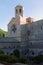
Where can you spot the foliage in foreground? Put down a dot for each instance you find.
(38, 59)
(12, 59)
(23, 60)
(16, 53)
(8, 58)
(1, 52)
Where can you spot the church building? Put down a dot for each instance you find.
(23, 33)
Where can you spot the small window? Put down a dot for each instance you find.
(20, 10)
(28, 32)
(16, 11)
(32, 53)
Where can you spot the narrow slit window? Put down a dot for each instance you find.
(20, 10)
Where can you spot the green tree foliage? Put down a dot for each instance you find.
(16, 53)
(38, 59)
(23, 60)
(1, 52)
(8, 58)
(3, 33)
(12, 59)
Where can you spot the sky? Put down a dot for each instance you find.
(32, 8)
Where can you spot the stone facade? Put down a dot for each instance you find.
(16, 22)
(23, 33)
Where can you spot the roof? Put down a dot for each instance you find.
(19, 5)
(29, 19)
(8, 40)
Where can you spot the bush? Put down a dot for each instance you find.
(38, 59)
(16, 53)
(23, 60)
(1, 52)
(12, 59)
(8, 58)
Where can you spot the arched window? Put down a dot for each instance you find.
(20, 11)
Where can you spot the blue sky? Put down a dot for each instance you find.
(32, 8)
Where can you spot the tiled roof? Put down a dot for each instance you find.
(29, 19)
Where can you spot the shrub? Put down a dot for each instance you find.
(38, 59)
(16, 53)
(12, 59)
(23, 60)
(8, 58)
(1, 52)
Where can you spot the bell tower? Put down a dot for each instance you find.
(19, 10)
(14, 26)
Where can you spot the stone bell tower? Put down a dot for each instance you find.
(15, 27)
(19, 10)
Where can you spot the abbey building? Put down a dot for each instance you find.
(23, 33)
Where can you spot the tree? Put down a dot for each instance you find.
(3, 35)
(23, 60)
(1, 52)
(38, 59)
(0, 35)
(16, 53)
